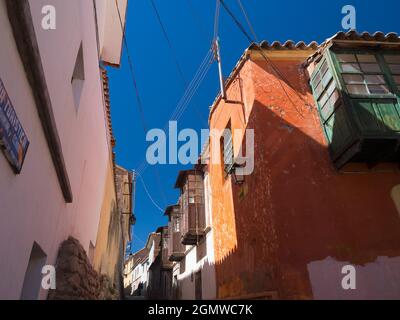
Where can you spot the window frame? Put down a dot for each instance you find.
(385, 72)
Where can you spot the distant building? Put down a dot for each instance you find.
(184, 267)
(58, 176)
(137, 267)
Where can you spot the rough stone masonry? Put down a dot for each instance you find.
(76, 279)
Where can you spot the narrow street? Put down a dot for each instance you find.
(193, 151)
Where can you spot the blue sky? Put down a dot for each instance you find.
(189, 24)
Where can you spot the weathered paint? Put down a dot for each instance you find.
(295, 208)
(379, 279)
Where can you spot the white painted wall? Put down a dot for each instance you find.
(186, 279)
(32, 206)
(379, 279)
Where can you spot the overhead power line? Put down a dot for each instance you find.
(247, 19)
(138, 99)
(187, 96)
(175, 56)
(265, 57)
(148, 193)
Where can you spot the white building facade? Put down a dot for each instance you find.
(52, 81)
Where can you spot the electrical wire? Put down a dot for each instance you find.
(139, 101)
(216, 20)
(273, 66)
(247, 19)
(186, 98)
(148, 193)
(176, 61)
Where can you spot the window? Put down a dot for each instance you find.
(362, 74)
(78, 77)
(226, 144)
(176, 224)
(325, 90)
(33, 275)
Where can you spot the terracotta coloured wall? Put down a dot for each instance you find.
(280, 231)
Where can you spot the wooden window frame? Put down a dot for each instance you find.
(388, 76)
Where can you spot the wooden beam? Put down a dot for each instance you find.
(19, 15)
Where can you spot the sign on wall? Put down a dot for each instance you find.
(13, 140)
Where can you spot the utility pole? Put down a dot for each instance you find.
(217, 55)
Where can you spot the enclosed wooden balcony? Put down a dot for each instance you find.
(358, 98)
(175, 247)
(192, 206)
(166, 264)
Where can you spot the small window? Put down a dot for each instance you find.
(78, 77)
(362, 74)
(33, 275)
(226, 145)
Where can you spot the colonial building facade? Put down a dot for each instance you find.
(324, 190)
(58, 174)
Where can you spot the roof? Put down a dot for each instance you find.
(170, 209)
(180, 180)
(389, 40)
(106, 92)
(354, 39)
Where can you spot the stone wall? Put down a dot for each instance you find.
(76, 279)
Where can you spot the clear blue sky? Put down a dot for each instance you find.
(189, 24)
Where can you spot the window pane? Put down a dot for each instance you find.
(370, 67)
(331, 88)
(318, 89)
(316, 79)
(324, 67)
(357, 89)
(323, 99)
(378, 89)
(395, 68)
(366, 58)
(397, 79)
(326, 111)
(327, 77)
(334, 97)
(353, 78)
(350, 67)
(346, 57)
(374, 79)
(392, 58)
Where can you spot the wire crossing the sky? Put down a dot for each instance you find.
(274, 67)
(176, 61)
(187, 96)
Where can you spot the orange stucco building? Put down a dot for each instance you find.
(290, 227)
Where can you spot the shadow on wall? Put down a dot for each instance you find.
(296, 209)
(198, 285)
